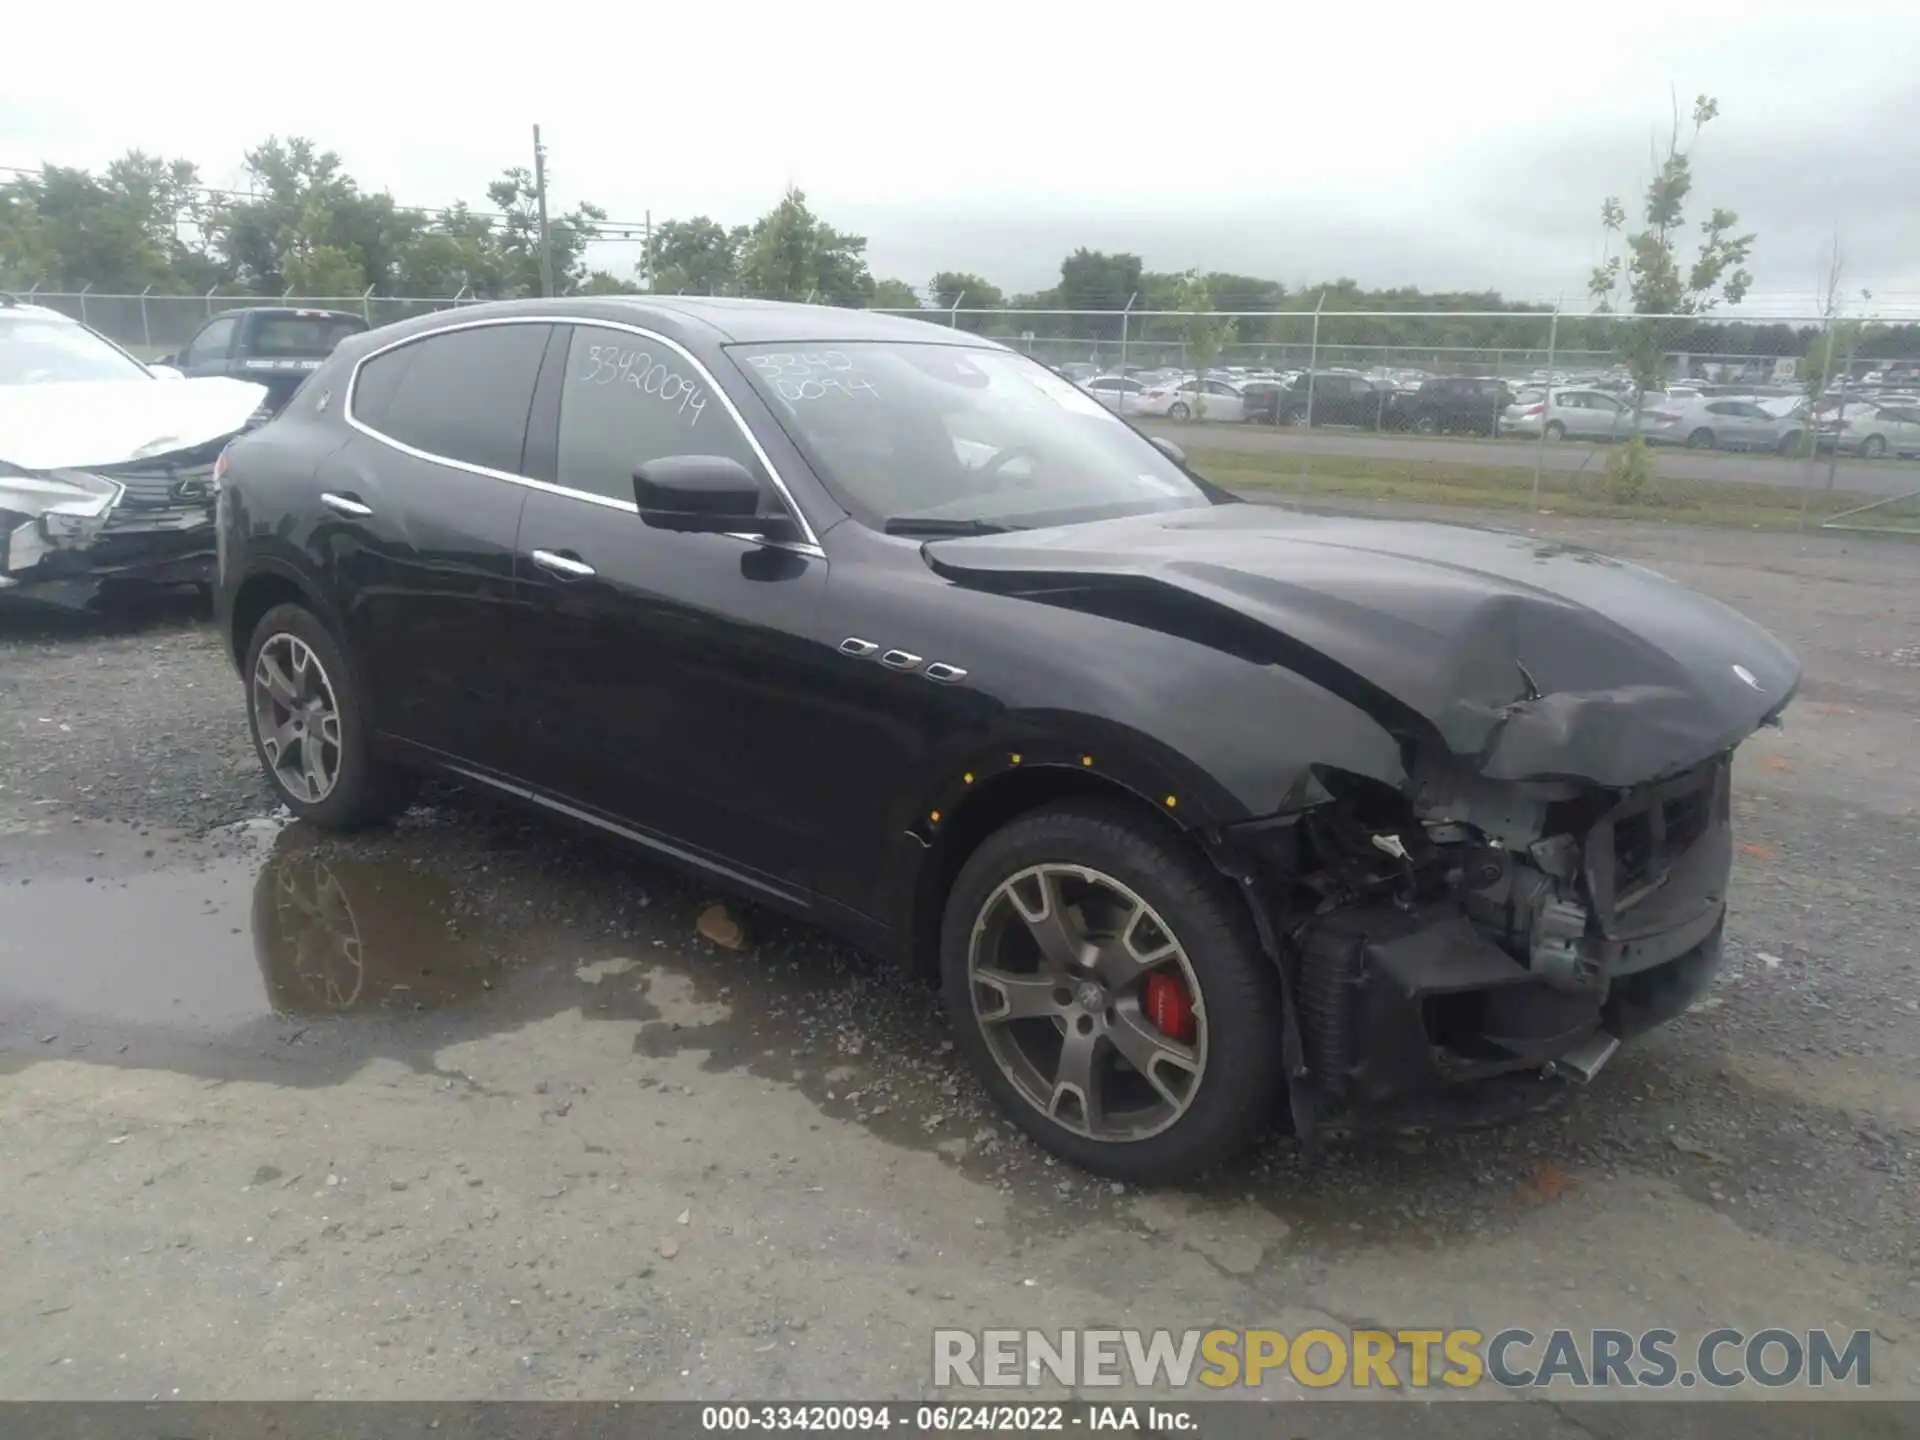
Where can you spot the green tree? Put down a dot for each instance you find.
(1657, 280)
(791, 254)
(456, 253)
(695, 257)
(65, 229)
(1203, 331)
(1096, 280)
(296, 188)
(325, 272)
(961, 287)
(895, 295)
(601, 282)
(518, 236)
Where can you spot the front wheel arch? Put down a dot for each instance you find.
(963, 827)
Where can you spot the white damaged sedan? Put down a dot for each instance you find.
(106, 466)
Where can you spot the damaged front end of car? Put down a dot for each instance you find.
(1463, 929)
(67, 535)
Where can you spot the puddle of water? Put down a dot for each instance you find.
(168, 947)
(295, 957)
(220, 942)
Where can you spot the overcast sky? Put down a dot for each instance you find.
(1448, 146)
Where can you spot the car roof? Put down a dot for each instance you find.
(304, 312)
(712, 319)
(20, 309)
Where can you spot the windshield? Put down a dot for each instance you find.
(38, 351)
(903, 430)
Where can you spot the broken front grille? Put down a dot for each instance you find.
(1646, 839)
(1633, 849)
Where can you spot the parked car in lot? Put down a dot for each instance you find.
(1454, 404)
(1327, 397)
(1872, 430)
(270, 346)
(1189, 399)
(1195, 808)
(105, 466)
(1719, 423)
(1114, 391)
(1567, 415)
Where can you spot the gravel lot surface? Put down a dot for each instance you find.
(525, 1133)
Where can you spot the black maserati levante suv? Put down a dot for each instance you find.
(1201, 812)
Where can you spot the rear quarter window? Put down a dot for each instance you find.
(461, 395)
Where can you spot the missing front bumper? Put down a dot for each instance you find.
(1399, 1002)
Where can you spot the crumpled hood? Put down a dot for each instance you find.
(1529, 658)
(80, 424)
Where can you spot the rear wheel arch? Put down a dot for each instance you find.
(258, 594)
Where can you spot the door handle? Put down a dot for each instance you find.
(345, 505)
(567, 567)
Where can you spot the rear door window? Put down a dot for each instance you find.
(462, 395)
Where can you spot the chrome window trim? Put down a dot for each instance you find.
(809, 546)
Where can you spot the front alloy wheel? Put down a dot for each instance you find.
(1106, 984)
(297, 717)
(1088, 1003)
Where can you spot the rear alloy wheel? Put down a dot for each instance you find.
(1105, 984)
(296, 717)
(1179, 411)
(1874, 447)
(1426, 425)
(1556, 431)
(309, 727)
(1701, 439)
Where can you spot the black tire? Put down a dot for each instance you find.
(1179, 411)
(364, 791)
(1242, 1081)
(1296, 418)
(1701, 439)
(1789, 443)
(1556, 431)
(1874, 447)
(1426, 425)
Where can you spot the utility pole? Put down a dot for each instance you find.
(540, 196)
(646, 255)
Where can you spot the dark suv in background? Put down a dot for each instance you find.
(1456, 404)
(1339, 397)
(267, 345)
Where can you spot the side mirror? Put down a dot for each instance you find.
(706, 495)
(1166, 447)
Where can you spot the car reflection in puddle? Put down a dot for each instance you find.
(336, 936)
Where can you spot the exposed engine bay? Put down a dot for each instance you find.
(1474, 928)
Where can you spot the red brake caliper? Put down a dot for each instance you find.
(1169, 1006)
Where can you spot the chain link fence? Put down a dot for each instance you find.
(1812, 419)
(152, 325)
